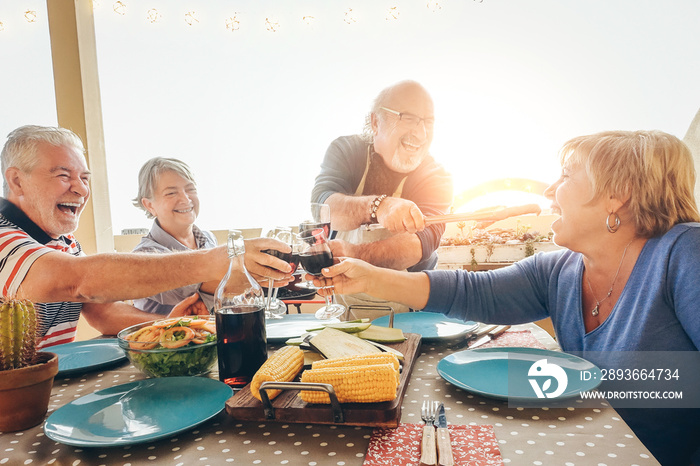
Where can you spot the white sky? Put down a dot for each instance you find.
(252, 111)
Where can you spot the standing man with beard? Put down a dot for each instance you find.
(386, 177)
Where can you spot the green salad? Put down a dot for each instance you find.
(183, 346)
(195, 360)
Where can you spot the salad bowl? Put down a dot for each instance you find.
(184, 346)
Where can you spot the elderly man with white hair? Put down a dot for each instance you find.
(47, 184)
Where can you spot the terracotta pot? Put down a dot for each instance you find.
(25, 393)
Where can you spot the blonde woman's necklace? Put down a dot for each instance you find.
(596, 310)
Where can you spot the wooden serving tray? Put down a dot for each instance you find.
(289, 407)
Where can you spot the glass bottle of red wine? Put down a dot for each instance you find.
(239, 308)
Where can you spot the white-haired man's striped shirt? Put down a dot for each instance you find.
(21, 243)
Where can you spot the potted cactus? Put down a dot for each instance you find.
(26, 376)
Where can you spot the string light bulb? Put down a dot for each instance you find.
(233, 23)
(349, 16)
(434, 5)
(272, 24)
(2, 26)
(30, 16)
(119, 8)
(309, 20)
(190, 18)
(392, 13)
(153, 15)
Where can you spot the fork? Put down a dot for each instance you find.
(428, 448)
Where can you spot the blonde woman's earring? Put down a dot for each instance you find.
(615, 222)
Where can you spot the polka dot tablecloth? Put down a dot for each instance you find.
(536, 436)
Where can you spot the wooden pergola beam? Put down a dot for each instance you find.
(79, 108)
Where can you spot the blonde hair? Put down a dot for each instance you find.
(653, 168)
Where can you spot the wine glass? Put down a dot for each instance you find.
(315, 256)
(274, 308)
(320, 218)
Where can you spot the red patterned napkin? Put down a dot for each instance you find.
(471, 445)
(522, 338)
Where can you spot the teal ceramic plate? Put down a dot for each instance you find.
(292, 326)
(519, 374)
(137, 412)
(431, 326)
(83, 356)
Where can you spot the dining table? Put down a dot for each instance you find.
(497, 431)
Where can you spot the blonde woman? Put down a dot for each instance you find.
(628, 279)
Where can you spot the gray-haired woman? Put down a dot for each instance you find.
(168, 194)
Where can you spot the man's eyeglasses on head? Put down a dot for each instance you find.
(409, 119)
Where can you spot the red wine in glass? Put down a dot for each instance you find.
(291, 259)
(241, 343)
(314, 262)
(295, 261)
(315, 256)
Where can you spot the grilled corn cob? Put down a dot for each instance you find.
(353, 384)
(359, 360)
(282, 366)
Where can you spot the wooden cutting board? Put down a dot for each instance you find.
(289, 407)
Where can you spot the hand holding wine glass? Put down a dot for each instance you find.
(315, 256)
(274, 308)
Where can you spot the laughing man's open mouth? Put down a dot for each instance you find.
(71, 207)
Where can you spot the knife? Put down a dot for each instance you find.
(444, 448)
(493, 333)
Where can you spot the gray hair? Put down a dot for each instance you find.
(21, 148)
(151, 171)
(367, 134)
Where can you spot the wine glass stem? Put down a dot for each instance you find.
(329, 297)
(270, 284)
